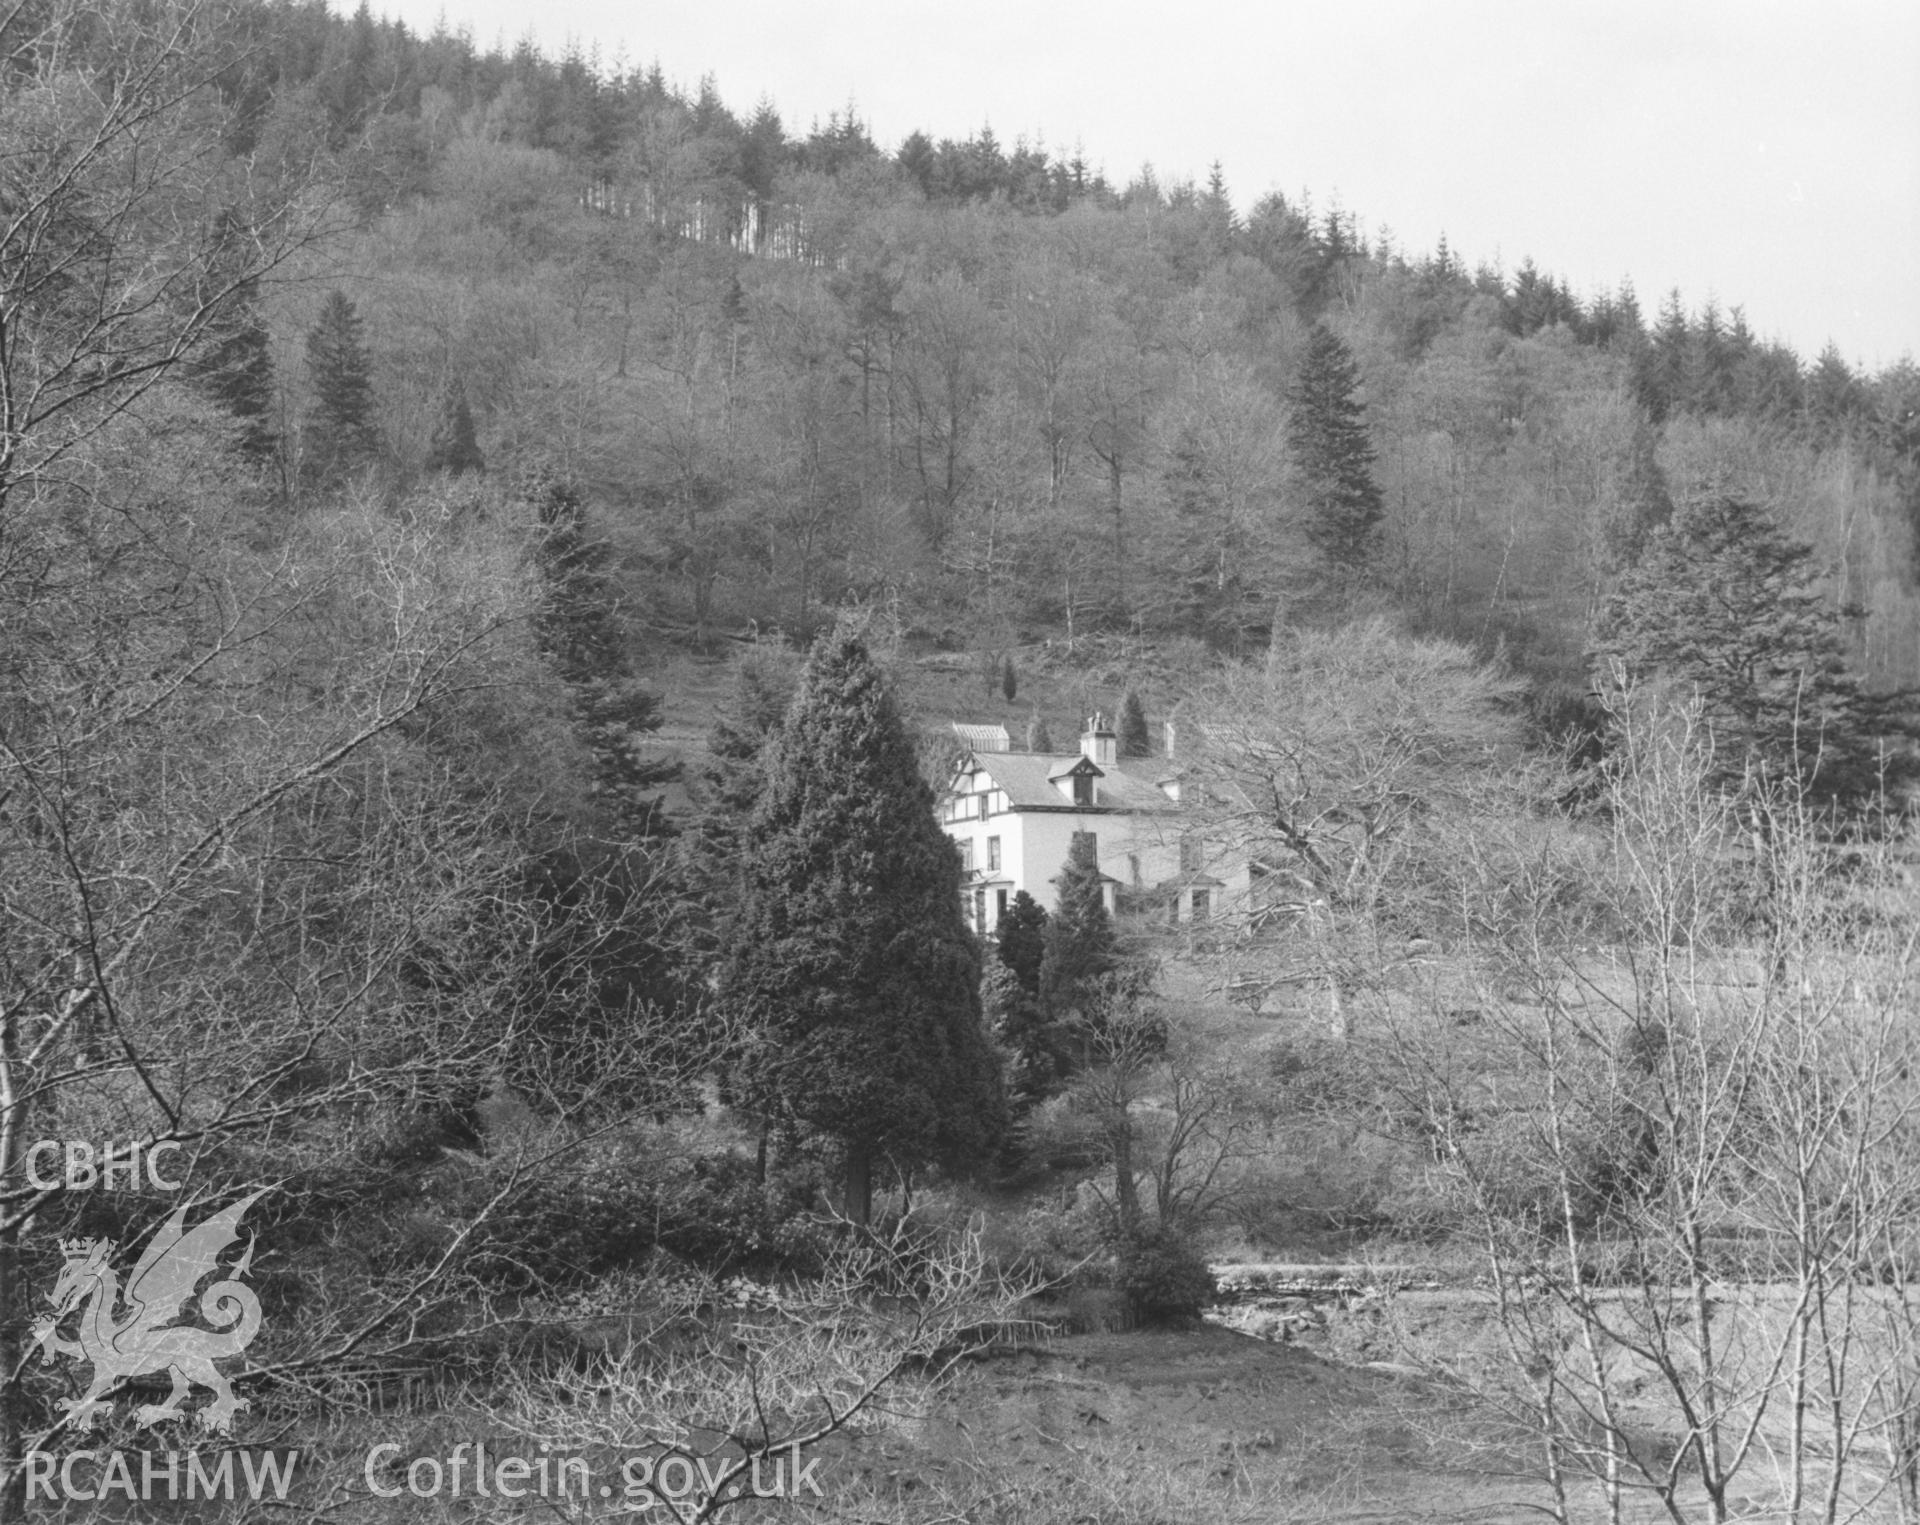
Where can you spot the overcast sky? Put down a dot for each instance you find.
(1763, 154)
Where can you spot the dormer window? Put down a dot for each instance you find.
(1077, 782)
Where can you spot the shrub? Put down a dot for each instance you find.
(1164, 1275)
(559, 1232)
(724, 1219)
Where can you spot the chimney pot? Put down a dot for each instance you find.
(1098, 743)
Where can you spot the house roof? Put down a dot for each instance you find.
(1130, 784)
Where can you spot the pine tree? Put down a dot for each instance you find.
(579, 629)
(710, 860)
(1135, 739)
(1333, 454)
(1837, 401)
(1038, 1051)
(851, 959)
(1009, 681)
(340, 436)
(234, 362)
(1204, 554)
(1725, 604)
(1039, 739)
(455, 447)
(730, 784)
(1079, 943)
(1660, 371)
(235, 368)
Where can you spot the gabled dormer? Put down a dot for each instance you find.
(1078, 781)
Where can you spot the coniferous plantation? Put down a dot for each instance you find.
(493, 552)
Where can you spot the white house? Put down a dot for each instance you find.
(1014, 815)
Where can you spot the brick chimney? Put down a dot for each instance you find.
(1098, 744)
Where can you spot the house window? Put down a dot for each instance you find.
(993, 855)
(1001, 897)
(1083, 788)
(966, 855)
(985, 800)
(1202, 904)
(980, 912)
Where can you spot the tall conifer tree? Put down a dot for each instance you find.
(234, 363)
(1724, 603)
(236, 370)
(340, 434)
(1079, 944)
(455, 447)
(1333, 454)
(1039, 1048)
(580, 629)
(851, 959)
(1135, 739)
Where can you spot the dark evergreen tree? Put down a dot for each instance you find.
(1038, 1050)
(1837, 401)
(340, 436)
(580, 629)
(711, 866)
(1332, 453)
(455, 448)
(234, 361)
(1020, 940)
(1281, 237)
(235, 368)
(851, 959)
(731, 780)
(1708, 384)
(1135, 739)
(1204, 556)
(1009, 681)
(1724, 603)
(1079, 946)
(764, 679)
(1661, 367)
(763, 154)
(1039, 738)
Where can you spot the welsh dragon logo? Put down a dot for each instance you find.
(144, 1339)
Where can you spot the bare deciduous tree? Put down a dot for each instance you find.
(1694, 1173)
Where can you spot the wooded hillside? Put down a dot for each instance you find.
(988, 387)
(384, 421)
